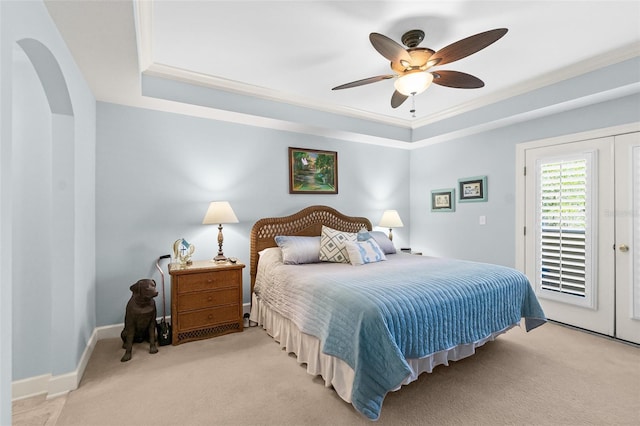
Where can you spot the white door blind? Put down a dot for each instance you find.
(569, 230)
(563, 234)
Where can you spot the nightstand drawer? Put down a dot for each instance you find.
(207, 317)
(207, 299)
(208, 281)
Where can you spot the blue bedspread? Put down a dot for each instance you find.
(374, 320)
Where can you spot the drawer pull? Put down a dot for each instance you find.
(210, 316)
(209, 299)
(209, 280)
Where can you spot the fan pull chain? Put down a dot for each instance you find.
(413, 106)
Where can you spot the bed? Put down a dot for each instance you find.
(368, 329)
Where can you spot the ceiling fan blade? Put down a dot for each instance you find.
(468, 46)
(456, 79)
(389, 48)
(363, 82)
(397, 99)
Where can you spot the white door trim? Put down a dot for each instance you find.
(520, 178)
(627, 203)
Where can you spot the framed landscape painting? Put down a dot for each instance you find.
(312, 171)
(443, 200)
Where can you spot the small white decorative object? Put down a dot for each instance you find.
(182, 251)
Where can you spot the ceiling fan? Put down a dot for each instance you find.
(412, 65)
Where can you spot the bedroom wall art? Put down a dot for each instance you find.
(443, 200)
(313, 171)
(472, 189)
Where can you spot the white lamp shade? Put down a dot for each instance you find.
(219, 212)
(413, 83)
(391, 219)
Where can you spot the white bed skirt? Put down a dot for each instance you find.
(335, 371)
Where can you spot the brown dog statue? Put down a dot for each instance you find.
(140, 318)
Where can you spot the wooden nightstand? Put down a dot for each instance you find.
(206, 300)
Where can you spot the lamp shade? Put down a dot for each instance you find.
(391, 219)
(413, 83)
(219, 212)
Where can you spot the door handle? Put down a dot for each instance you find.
(623, 248)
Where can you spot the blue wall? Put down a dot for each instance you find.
(140, 179)
(47, 214)
(157, 172)
(459, 234)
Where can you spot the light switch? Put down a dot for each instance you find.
(482, 220)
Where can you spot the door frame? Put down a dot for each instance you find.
(596, 309)
(627, 319)
(520, 197)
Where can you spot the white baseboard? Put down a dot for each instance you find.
(50, 385)
(33, 386)
(109, 331)
(53, 386)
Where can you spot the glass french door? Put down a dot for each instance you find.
(582, 224)
(627, 216)
(569, 256)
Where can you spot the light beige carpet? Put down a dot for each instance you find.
(37, 411)
(551, 376)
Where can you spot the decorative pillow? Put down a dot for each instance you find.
(332, 247)
(361, 252)
(266, 258)
(383, 241)
(270, 254)
(363, 234)
(299, 250)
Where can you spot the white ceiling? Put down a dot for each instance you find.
(296, 51)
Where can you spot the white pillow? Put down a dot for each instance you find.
(267, 259)
(270, 255)
(381, 238)
(299, 250)
(362, 252)
(332, 247)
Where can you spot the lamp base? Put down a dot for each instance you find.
(220, 258)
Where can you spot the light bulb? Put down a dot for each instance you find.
(413, 83)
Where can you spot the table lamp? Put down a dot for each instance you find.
(219, 212)
(391, 219)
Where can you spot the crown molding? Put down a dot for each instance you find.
(232, 86)
(594, 63)
(143, 14)
(143, 17)
(143, 10)
(533, 114)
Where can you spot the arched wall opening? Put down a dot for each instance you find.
(43, 214)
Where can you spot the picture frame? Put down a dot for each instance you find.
(313, 171)
(472, 189)
(443, 200)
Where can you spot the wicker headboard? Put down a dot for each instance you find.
(307, 222)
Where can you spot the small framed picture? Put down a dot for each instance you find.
(312, 171)
(472, 189)
(443, 200)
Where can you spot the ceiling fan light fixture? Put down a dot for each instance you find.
(413, 83)
(410, 66)
(432, 63)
